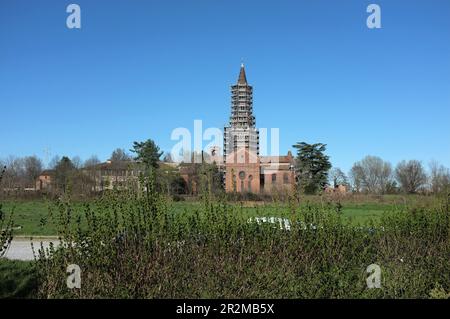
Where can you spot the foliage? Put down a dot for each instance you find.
(17, 279)
(5, 224)
(210, 181)
(312, 166)
(131, 244)
(439, 293)
(169, 180)
(203, 179)
(147, 152)
(64, 171)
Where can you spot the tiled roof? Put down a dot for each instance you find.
(275, 159)
(48, 172)
(114, 165)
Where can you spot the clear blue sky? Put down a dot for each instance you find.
(139, 69)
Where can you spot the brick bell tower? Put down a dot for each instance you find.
(241, 141)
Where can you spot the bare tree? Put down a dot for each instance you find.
(77, 162)
(54, 162)
(439, 178)
(372, 175)
(119, 154)
(92, 171)
(91, 161)
(356, 178)
(411, 176)
(338, 177)
(33, 168)
(15, 176)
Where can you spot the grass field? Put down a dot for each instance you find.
(33, 217)
(138, 246)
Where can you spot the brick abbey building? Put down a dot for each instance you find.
(245, 170)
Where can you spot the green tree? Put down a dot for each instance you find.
(312, 166)
(169, 180)
(64, 171)
(148, 153)
(210, 180)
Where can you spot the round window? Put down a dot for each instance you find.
(241, 174)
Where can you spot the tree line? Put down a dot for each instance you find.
(73, 174)
(371, 175)
(374, 175)
(84, 178)
(314, 172)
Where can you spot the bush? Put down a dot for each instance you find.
(239, 197)
(17, 279)
(132, 245)
(6, 224)
(178, 198)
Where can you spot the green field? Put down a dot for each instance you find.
(148, 246)
(33, 217)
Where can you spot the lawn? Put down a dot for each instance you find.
(33, 217)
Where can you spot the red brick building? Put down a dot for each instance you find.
(245, 170)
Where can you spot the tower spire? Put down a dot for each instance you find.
(242, 131)
(242, 78)
(242, 102)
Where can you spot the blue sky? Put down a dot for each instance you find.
(139, 69)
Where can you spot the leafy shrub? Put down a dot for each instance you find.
(6, 224)
(17, 279)
(131, 244)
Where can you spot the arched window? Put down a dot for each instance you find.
(250, 178)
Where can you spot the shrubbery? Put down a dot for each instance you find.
(5, 225)
(17, 279)
(131, 245)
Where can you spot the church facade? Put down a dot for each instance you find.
(245, 170)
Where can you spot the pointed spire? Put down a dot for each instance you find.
(242, 78)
